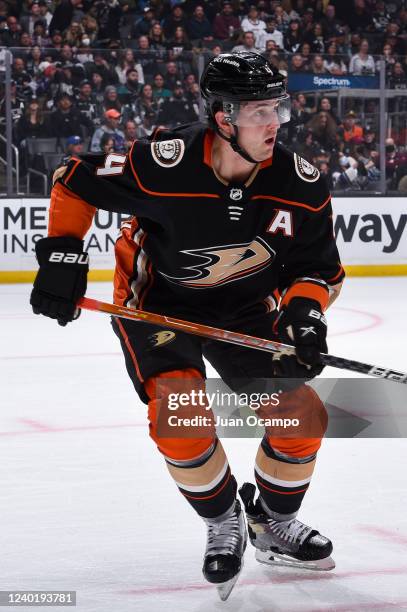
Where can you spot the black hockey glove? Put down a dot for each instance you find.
(301, 323)
(61, 279)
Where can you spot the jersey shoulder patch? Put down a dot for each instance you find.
(168, 153)
(306, 171)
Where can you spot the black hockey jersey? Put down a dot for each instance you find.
(195, 247)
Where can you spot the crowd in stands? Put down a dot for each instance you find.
(98, 74)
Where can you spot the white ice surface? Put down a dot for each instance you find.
(86, 503)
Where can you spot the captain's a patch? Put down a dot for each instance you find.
(168, 153)
(305, 170)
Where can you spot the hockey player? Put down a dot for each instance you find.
(230, 229)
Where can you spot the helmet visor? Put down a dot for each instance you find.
(258, 112)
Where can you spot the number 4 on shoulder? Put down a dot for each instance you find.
(114, 165)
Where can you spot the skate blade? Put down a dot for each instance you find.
(225, 589)
(272, 558)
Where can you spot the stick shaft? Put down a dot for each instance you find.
(215, 333)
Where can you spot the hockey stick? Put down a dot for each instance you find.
(214, 333)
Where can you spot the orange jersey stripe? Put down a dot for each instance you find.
(208, 496)
(126, 252)
(69, 215)
(268, 197)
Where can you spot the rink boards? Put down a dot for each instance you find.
(371, 235)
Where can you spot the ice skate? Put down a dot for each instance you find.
(227, 539)
(285, 543)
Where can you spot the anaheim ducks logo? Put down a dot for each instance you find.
(305, 170)
(168, 153)
(160, 338)
(224, 264)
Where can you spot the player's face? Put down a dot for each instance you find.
(258, 124)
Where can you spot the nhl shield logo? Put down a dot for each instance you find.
(168, 153)
(235, 194)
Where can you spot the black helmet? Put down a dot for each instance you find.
(241, 77)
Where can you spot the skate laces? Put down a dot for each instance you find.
(292, 531)
(223, 537)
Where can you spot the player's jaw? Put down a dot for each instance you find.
(259, 144)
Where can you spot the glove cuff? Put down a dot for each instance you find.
(311, 289)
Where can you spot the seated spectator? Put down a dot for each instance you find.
(248, 43)
(369, 139)
(146, 58)
(101, 65)
(226, 25)
(111, 99)
(270, 33)
(398, 79)
(53, 53)
(108, 14)
(24, 46)
(360, 18)
(306, 146)
(27, 21)
(130, 133)
(110, 126)
(86, 102)
(172, 75)
(157, 40)
(129, 91)
(73, 35)
(34, 60)
(362, 63)
(175, 20)
(74, 146)
(31, 124)
(147, 126)
(10, 35)
(317, 65)
(145, 104)
(90, 26)
(299, 116)
(323, 128)
(143, 25)
(84, 54)
(389, 59)
(352, 133)
(298, 64)
(98, 87)
(381, 16)
(282, 19)
(176, 110)
(252, 23)
(333, 62)
(325, 105)
(330, 24)
(45, 14)
(198, 26)
(66, 119)
(305, 51)
(180, 50)
(293, 37)
(126, 61)
(107, 144)
(160, 92)
(39, 36)
(315, 39)
(395, 38)
(65, 11)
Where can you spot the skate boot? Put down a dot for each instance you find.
(289, 543)
(227, 539)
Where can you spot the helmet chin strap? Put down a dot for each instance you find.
(235, 144)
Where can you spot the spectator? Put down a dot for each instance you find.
(177, 109)
(10, 36)
(145, 104)
(25, 45)
(31, 124)
(160, 92)
(147, 126)
(395, 38)
(146, 58)
(144, 25)
(84, 55)
(389, 59)
(330, 24)
(282, 19)
(270, 33)
(172, 75)
(297, 63)
(111, 99)
(381, 16)
(74, 146)
(323, 128)
(66, 119)
(305, 51)
(362, 63)
(130, 133)
(73, 35)
(293, 38)
(369, 139)
(45, 14)
(248, 43)
(326, 106)
(86, 102)
(226, 25)
(398, 79)
(90, 26)
(315, 39)
(360, 19)
(179, 50)
(108, 14)
(107, 144)
(64, 12)
(317, 65)
(333, 62)
(110, 126)
(157, 38)
(33, 61)
(130, 91)
(198, 26)
(27, 21)
(176, 19)
(98, 87)
(252, 23)
(299, 116)
(352, 133)
(126, 61)
(17, 104)
(40, 36)
(101, 65)
(54, 52)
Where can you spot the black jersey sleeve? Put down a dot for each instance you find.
(313, 253)
(106, 182)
